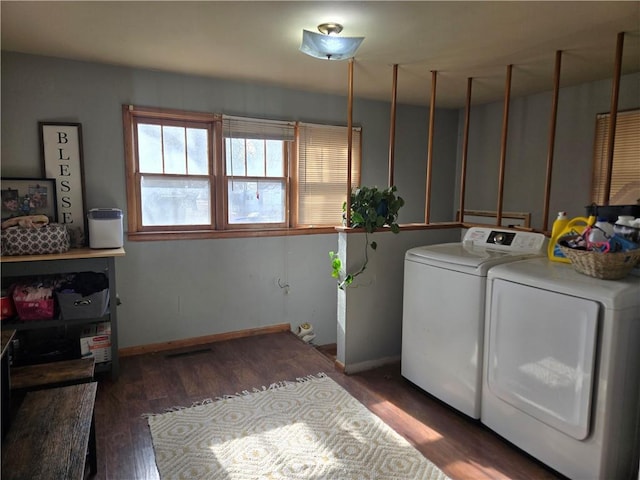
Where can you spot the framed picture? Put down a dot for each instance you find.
(28, 196)
(62, 160)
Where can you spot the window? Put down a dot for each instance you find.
(257, 154)
(322, 172)
(170, 172)
(199, 174)
(625, 172)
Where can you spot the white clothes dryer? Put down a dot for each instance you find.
(443, 311)
(562, 353)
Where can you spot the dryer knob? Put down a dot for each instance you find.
(499, 238)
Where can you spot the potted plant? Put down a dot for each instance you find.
(371, 209)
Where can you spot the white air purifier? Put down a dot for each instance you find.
(105, 228)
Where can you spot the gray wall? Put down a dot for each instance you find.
(528, 144)
(181, 289)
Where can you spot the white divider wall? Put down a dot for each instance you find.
(370, 310)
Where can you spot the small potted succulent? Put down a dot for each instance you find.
(371, 209)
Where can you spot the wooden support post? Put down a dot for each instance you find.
(349, 139)
(613, 116)
(432, 115)
(503, 145)
(465, 150)
(392, 125)
(552, 140)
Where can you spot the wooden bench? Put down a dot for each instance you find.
(51, 435)
(53, 374)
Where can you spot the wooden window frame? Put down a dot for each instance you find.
(219, 226)
(132, 116)
(287, 147)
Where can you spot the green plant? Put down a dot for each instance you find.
(371, 209)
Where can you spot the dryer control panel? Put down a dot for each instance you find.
(505, 240)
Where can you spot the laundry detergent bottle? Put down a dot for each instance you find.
(559, 224)
(563, 226)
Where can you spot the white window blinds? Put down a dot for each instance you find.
(240, 127)
(322, 172)
(625, 174)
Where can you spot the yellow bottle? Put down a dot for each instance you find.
(559, 224)
(563, 226)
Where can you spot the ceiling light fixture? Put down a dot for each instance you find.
(327, 44)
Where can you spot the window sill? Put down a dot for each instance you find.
(404, 227)
(276, 232)
(206, 234)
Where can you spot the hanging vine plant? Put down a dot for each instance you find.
(371, 209)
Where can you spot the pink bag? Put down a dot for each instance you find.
(33, 302)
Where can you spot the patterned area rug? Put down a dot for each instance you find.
(309, 429)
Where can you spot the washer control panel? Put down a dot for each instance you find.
(505, 240)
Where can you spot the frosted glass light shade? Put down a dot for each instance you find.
(329, 47)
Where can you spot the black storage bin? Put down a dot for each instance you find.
(31, 351)
(74, 305)
(612, 212)
(83, 295)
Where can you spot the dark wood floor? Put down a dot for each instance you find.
(150, 383)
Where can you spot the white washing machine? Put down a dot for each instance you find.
(443, 311)
(561, 370)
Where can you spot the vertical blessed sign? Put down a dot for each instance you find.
(62, 159)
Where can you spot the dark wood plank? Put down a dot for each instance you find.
(50, 435)
(5, 338)
(461, 447)
(52, 373)
(5, 381)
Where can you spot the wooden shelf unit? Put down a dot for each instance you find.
(72, 261)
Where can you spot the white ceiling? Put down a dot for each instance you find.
(259, 41)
